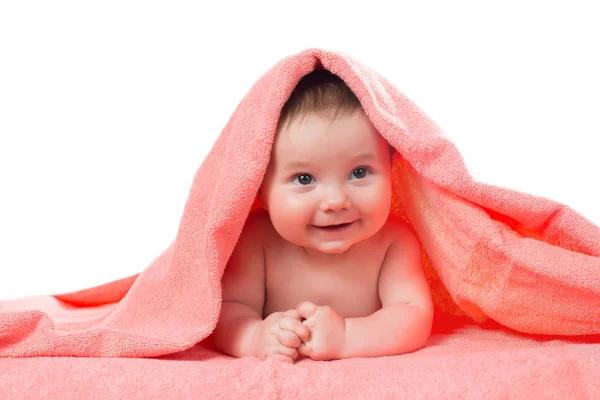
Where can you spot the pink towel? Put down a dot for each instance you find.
(528, 263)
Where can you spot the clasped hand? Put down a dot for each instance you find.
(317, 332)
(327, 332)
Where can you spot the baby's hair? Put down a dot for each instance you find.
(321, 92)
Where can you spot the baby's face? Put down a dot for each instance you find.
(325, 172)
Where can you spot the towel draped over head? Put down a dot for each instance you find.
(525, 262)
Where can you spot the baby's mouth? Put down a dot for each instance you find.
(334, 228)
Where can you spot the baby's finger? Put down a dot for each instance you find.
(304, 350)
(293, 314)
(293, 325)
(281, 357)
(288, 339)
(285, 351)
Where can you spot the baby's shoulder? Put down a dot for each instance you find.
(396, 228)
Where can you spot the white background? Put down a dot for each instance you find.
(108, 108)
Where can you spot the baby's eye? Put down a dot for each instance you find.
(365, 169)
(305, 179)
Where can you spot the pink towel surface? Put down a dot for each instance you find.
(494, 256)
(469, 362)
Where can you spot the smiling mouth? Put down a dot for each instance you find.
(334, 228)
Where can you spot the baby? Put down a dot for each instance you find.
(323, 270)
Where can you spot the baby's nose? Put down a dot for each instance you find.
(335, 199)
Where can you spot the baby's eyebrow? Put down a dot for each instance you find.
(302, 164)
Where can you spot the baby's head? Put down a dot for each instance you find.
(345, 174)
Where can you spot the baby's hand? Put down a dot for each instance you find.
(279, 335)
(327, 332)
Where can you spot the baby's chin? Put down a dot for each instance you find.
(329, 249)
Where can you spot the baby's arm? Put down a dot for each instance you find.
(235, 329)
(243, 286)
(241, 331)
(403, 324)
